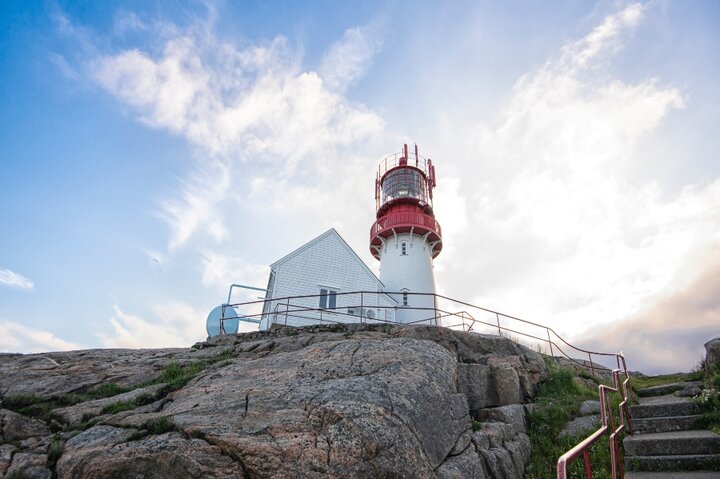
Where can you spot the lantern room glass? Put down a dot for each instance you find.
(404, 183)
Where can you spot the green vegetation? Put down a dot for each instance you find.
(34, 406)
(17, 475)
(709, 402)
(476, 425)
(129, 404)
(26, 404)
(106, 390)
(714, 380)
(558, 401)
(175, 376)
(641, 382)
(54, 452)
(160, 425)
(156, 426)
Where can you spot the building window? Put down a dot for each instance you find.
(403, 248)
(328, 298)
(405, 298)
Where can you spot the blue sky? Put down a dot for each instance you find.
(153, 153)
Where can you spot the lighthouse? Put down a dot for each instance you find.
(406, 237)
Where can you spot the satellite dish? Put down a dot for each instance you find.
(230, 323)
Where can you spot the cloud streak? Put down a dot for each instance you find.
(663, 336)
(348, 59)
(174, 324)
(15, 280)
(19, 338)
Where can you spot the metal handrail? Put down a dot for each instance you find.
(393, 160)
(606, 416)
(498, 315)
(467, 322)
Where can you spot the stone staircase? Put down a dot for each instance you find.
(666, 443)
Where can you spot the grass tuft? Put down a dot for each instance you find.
(160, 425)
(153, 427)
(177, 375)
(641, 382)
(106, 390)
(54, 452)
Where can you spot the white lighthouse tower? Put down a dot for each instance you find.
(406, 237)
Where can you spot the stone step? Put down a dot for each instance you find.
(663, 406)
(693, 464)
(664, 424)
(672, 443)
(673, 475)
(660, 390)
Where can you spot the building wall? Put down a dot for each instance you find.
(328, 264)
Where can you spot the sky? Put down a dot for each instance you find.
(152, 153)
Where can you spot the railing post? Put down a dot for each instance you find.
(362, 314)
(588, 466)
(222, 320)
(321, 316)
(497, 317)
(592, 368)
(550, 342)
(287, 308)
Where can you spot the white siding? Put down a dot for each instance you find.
(326, 262)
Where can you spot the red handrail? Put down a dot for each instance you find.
(606, 415)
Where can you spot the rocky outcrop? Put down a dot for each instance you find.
(15, 427)
(55, 374)
(712, 355)
(323, 401)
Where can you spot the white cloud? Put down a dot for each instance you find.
(15, 280)
(22, 338)
(249, 111)
(348, 59)
(176, 325)
(125, 21)
(65, 69)
(219, 271)
(670, 334)
(195, 208)
(604, 37)
(558, 230)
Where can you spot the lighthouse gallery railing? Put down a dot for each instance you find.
(354, 307)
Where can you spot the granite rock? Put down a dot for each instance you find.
(712, 355)
(323, 401)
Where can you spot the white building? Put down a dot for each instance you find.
(319, 282)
